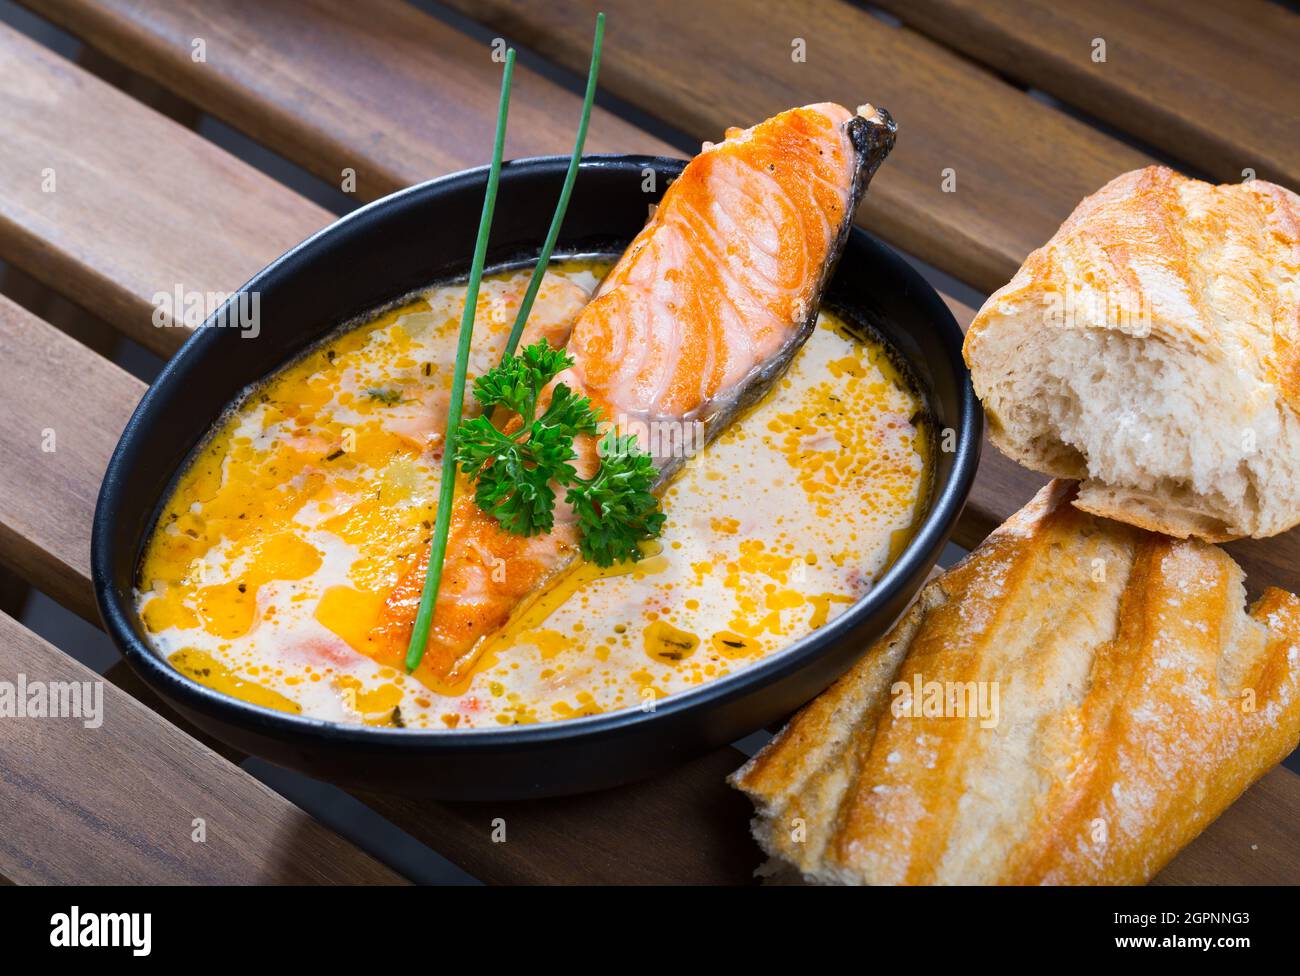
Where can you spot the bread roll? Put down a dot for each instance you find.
(1152, 349)
(1116, 698)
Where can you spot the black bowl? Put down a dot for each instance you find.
(405, 242)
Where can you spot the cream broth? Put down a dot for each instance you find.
(272, 560)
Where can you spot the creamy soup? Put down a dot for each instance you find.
(272, 560)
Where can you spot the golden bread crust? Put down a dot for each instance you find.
(1167, 521)
(1191, 293)
(1137, 701)
(1206, 265)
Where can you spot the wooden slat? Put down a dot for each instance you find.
(1257, 841)
(311, 78)
(117, 804)
(54, 446)
(1211, 83)
(1020, 165)
(47, 501)
(128, 680)
(111, 244)
(685, 827)
(47, 497)
(547, 846)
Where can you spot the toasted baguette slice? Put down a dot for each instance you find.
(1071, 704)
(1152, 349)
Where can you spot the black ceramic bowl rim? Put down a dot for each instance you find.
(945, 506)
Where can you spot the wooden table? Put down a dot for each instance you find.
(397, 93)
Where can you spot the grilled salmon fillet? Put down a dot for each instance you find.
(705, 309)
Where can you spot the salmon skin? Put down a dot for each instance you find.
(703, 312)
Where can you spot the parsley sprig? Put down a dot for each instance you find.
(615, 508)
(514, 470)
(516, 461)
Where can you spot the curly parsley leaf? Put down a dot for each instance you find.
(568, 413)
(517, 381)
(616, 509)
(514, 468)
(517, 494)
(517, 461)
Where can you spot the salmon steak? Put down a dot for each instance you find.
(703, 312)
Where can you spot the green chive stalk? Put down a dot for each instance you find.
(446, 490)
(544, 259)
